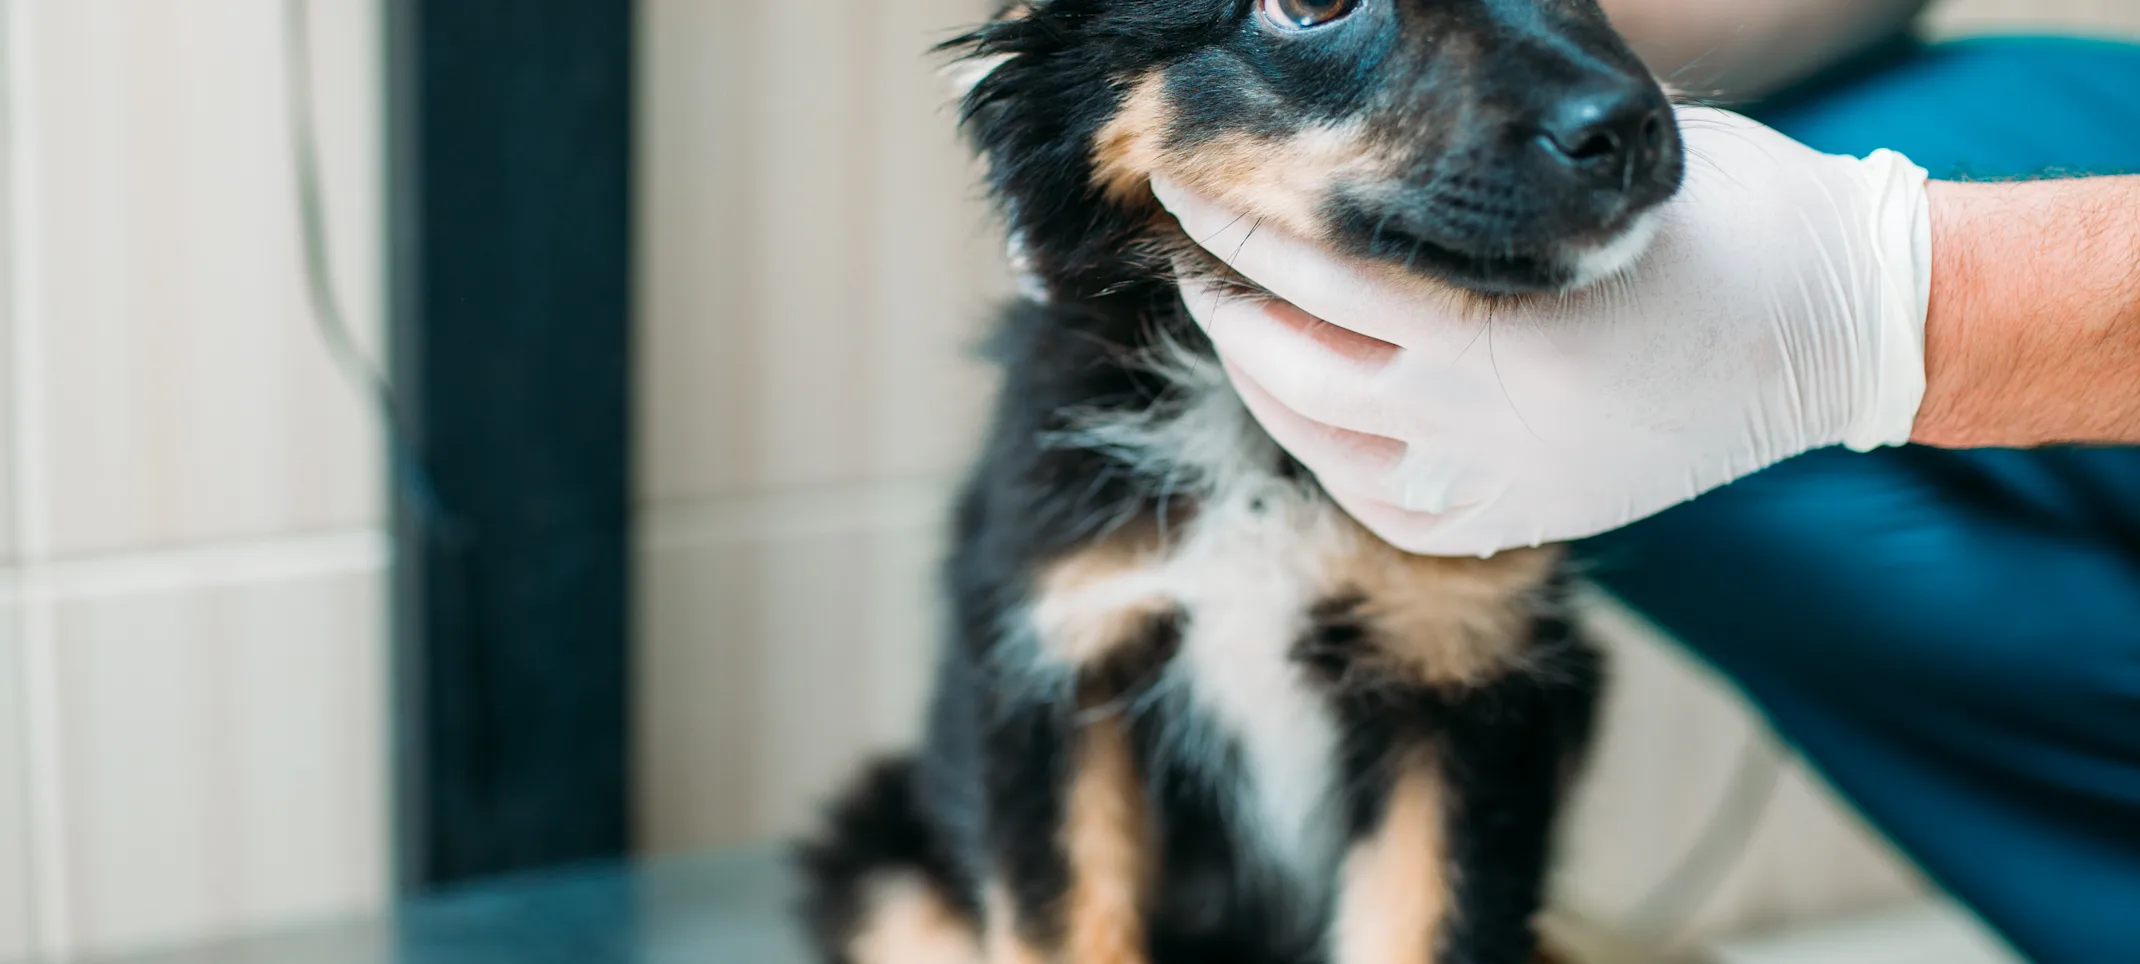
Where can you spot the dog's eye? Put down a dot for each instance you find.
(1302, 14)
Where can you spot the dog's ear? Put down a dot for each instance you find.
(975, 56)
(1017, 9)
(966, 73)
(1037, 89)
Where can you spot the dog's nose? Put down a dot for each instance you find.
(1612, 139)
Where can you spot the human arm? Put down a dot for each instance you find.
(2033, 333)
(1739, 49)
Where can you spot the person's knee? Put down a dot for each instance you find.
(1985, 108)
(1874, 575)
(1750, 576)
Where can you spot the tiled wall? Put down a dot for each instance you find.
(815, 271)
(191, 654)
(816, 265)
(16, 909)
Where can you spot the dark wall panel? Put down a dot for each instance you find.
(511, 234)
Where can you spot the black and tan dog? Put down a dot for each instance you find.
(1189, 711)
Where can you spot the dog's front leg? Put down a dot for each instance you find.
(1072, 842)
(1395, 891)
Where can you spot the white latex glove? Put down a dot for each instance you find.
(1780, 309)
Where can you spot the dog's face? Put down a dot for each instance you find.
(1500, 145)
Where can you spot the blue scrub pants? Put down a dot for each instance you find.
(1952, 638)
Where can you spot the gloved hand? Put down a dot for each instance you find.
(1781, 308)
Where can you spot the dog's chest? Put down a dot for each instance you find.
(1256, 724)
(1241, 560)
(1247, 564)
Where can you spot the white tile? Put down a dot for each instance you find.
(11, 303)
(696, 331)
(8, 381)
(188, 396)
(769, 664)
(816, 266)
(16, 912)
(222, 757)
(937, 272)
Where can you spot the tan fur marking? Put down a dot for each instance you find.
(1281, 180)
(1445, 622)
(1097, 598)
(907, 923)
(1107, 840)
(1128, 150)
(1004, 944)
(1395, 885)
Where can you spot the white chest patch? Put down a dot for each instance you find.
(1249, 577)
(1247, 570)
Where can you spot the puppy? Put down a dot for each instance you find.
(1190, 711)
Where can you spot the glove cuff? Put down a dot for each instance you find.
(1900, 228)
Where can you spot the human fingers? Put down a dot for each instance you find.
(1321, 372)
(1377, 303)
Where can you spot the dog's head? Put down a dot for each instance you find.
(1500, 145)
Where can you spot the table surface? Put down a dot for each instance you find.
(725, 909)
(734, 909)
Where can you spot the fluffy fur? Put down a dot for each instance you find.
(1188, 710)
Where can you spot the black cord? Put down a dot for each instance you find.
(1663, 912)
(412, 477)
(437, 714)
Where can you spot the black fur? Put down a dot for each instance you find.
(1474, 202)
(983, 802)
(876, 827)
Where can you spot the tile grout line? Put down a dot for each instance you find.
(51, 889)
(225, 562)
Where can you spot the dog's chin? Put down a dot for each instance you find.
(1593, 263)
(1513, 270)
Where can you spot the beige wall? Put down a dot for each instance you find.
(190, 592)
(814, 272)
(2106, 17)
(815, 266)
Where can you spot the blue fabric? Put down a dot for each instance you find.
(1952, 638)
